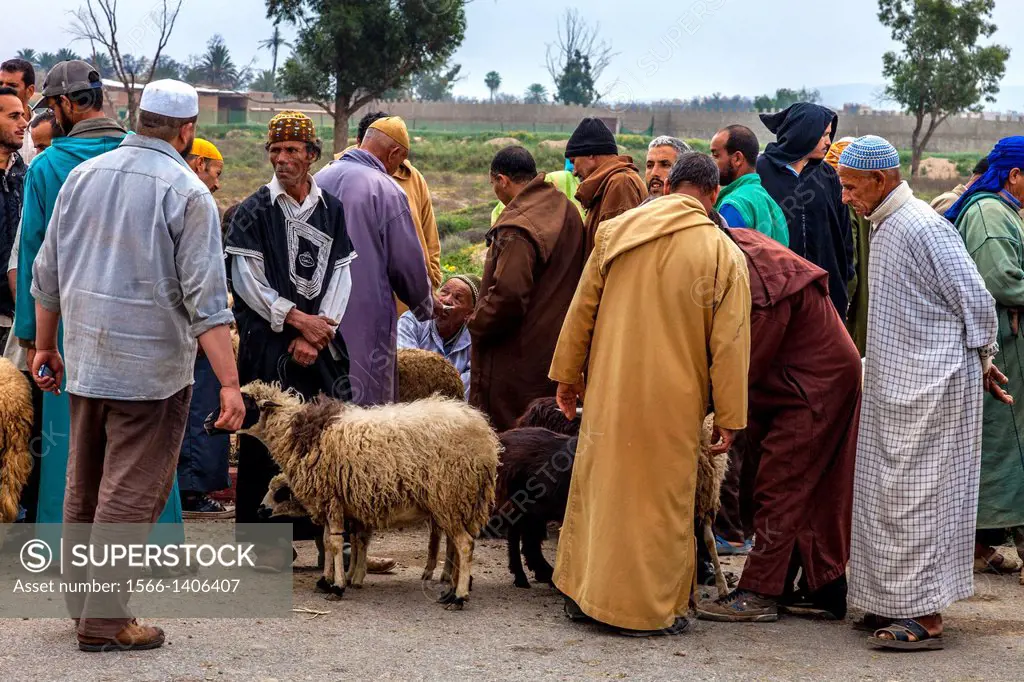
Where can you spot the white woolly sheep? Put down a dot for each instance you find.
(421, 374)
(382, 467)
(15, 430)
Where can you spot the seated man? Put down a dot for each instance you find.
(447, 334)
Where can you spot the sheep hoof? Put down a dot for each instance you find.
(427, 576)
(335, 593)
(544, 577)
(521, 581)
(456, 604)
(324, 585)
(447, 597)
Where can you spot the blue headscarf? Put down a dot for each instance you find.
(1006, 155)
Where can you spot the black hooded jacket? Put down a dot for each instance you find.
(819, 223)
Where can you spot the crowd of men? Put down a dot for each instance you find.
(735, 282)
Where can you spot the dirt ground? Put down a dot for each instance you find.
(392, 629)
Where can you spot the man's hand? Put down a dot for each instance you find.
(53, 360)
(232, 409)
(566, 397)
(315, 329)
(303, 352)
(994, 381)
(721, 440)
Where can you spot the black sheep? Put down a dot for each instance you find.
(545, 413)
(533, 489)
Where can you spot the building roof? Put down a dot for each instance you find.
(118, 85)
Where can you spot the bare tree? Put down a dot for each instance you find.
(96, 22)
(577, 39)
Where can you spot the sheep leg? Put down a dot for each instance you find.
(432, 548)
(326, 580)
(449, 561)
(709, 541)
(533, 539)
(515, 564)
(335, 542)
(464, 549)
(362, 537)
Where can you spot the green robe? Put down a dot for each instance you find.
(45, 177)
(857, 315)
(756, 206)
(994, 235)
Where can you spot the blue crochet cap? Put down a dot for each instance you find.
(870, 153)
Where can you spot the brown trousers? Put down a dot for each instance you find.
(121, 463)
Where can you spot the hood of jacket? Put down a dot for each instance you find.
(798, 129)
(404, 171)
(591, 189)
(363, 158)
(539, 210)
(775, 272)
(661, 218)
(65, 153)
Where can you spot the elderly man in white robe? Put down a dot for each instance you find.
(931, 338)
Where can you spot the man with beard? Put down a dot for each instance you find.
(793, 171)
(12, 176)
(743, 202)
(74, 92)
(137, 282)
(662, 153)
(290, 259)
(20, 76)
(611, 184)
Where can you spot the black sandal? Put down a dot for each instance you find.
(871, 623)
(907, 635)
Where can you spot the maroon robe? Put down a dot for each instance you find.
(805, 384)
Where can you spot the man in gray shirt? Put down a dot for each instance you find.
(132, 262)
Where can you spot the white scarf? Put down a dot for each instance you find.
(892, 203)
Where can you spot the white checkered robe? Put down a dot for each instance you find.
(919, 447)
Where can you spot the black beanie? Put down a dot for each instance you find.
(591, 138)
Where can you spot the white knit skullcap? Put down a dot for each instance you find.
(171, 98)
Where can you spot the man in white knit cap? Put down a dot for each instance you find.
(132, 263)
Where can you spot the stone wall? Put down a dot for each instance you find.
(955, 135)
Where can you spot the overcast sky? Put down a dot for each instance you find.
(666, 48)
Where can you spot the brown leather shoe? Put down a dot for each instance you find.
(132, 637)
(379, 564)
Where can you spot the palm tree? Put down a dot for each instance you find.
(536, 94)
(47, 60)
(65, 54)
(216, 67)
(274, 43)
(101, 60)
(493, 81)
(29, 55)
(264, 82)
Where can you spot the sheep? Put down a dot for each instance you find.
(545, 413)
(15, 432)
(423, 373)
(533, 488)
(431, 460)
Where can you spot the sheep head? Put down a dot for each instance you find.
(260, 400)
(280, 501)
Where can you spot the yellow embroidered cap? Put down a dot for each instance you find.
(393, 127)
(206, 150)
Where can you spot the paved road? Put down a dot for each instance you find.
(392, 630)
